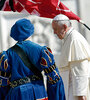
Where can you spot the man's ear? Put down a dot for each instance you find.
(65, 27)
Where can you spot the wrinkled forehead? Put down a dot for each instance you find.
(55, 25)
(54, 22)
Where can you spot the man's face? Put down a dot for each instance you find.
(59, 30)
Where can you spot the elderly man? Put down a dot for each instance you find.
(21, 66)
(74, 59)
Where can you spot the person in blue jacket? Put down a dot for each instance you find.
(22, 81)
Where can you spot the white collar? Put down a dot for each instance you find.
(67, 33)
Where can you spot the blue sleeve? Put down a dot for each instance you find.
(4, 74)
(55, 86)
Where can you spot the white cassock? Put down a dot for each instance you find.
(75, 65)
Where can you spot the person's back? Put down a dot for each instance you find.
(35, 88)
(32, 50)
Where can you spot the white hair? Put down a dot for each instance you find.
(62, 19)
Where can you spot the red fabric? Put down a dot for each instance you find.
(44, 99)
(19, 7)
(7, 7)
(43, 8)
(43, 62)
(68, 13)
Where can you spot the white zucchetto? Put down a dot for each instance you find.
(60, 17)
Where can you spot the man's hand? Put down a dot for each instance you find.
(82, 98)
